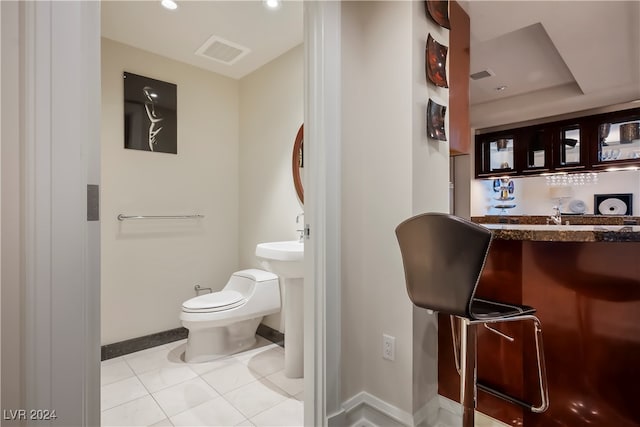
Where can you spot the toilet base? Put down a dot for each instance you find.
(206, 344)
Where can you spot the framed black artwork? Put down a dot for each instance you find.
(613, 204)
(150, 116)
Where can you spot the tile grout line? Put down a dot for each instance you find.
(149, 393)
(220, 395)
(256, 414)
(166, 416)
(245, 362)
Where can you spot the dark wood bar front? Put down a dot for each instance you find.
(587, 296)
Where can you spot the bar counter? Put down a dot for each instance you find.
(584, 282)
(571, 219)
(566, 233)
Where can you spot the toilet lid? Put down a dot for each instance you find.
(215, 300)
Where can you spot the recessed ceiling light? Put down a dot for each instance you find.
(169, 4)
(272, 4)
(500, 88)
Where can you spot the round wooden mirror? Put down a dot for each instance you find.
(297, 163)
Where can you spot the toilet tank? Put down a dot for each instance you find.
(245, 281)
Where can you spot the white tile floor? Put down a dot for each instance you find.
(155, 387)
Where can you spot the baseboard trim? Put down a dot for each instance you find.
(367, 410)
(110, 351)
(132, 345)
(428, 414)
(452, 411)
(337, 419)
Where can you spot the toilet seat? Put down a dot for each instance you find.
(216, 301)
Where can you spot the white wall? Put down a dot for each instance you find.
(533, 197)
(376, 137)
(150, 267)
(271, 111)
(430, 184)
(390, 172)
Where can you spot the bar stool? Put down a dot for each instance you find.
(443, 257)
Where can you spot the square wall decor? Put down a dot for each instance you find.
(613, 204)
(150, 122)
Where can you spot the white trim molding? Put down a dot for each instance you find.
(428, 414)
(367, 410)
(61, 134)
(450, 414)
(11, 277)
(322, 210)
(370, 408)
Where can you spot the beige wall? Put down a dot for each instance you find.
(271, 111)
(150, 267)
(390, 171)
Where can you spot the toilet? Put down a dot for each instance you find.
(225, 322)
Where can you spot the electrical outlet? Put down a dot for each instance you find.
(388, 347)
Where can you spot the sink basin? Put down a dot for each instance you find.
(286, 259)
(283, 251)
(282, 258)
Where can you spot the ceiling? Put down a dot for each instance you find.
(180, 33)
(554, 57)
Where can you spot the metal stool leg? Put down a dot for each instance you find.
(468, 341)
(464, 351)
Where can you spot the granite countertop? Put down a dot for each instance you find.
(565, 233)
(571, 219)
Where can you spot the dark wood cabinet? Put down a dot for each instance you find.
(593, 142)
(459, 69)
(616, 140)
(496, 155)
(536, 149)
(569, 143)
(587, 296)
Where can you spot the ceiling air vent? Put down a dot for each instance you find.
(222, 50)
(482, 74)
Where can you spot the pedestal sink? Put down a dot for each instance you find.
(286, 260)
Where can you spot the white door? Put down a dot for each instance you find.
(53, 52)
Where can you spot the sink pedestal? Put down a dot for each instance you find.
(293, 327)
(286, 260)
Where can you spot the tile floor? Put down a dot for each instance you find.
(155, 387)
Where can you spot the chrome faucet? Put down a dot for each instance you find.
(556, 217)
(301, 231)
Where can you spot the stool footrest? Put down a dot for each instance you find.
(504, 396)
(542, 374)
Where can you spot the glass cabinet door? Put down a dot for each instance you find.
(498, 154)
(536, 150)
(570, 146)
(619, 141)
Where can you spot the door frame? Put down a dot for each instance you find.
(60, 133)
(322, 348)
